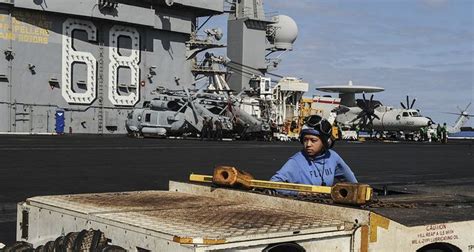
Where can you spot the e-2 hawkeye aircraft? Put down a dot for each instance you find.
(372, 115)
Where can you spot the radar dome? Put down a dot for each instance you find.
(285, 32)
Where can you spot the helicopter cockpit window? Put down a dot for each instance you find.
(405, 114)
(415, 114)
(147, 117)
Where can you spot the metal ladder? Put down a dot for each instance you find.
(100, 91)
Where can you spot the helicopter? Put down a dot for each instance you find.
(463, 117)
(183, 112)
(171, 113)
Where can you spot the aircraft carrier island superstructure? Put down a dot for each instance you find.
(87, 64)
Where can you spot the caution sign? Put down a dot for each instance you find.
(435, 233)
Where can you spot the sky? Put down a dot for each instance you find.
(420, 48)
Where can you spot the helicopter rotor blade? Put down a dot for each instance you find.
(468, 105)
(451, 113)
(190, 101)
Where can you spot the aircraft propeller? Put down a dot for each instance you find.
(408, 106)
(367, 115)
(430, 122)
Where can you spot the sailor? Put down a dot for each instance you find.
(357, 130)
(206, 131)
(210, 128)
(430, 134)
(444, 134)
(438, 133)
(423, 134)
(316, 164)
(218, 130)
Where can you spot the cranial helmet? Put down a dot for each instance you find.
(317, 126)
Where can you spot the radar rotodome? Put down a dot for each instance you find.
(286, 32)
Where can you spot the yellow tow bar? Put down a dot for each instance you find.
(345, 193)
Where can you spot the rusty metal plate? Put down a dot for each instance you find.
(126, 201)
(190, 217)
(231, 222)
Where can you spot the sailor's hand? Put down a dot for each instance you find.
(303, 194)
(271, 192)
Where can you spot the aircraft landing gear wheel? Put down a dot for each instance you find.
(19, 246)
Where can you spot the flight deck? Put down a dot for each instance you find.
(54, 165)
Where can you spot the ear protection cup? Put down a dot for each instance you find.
(326, 141)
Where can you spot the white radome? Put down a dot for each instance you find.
(286, 31)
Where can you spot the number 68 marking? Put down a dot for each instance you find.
(71, 56)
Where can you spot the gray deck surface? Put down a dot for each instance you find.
(49, 165)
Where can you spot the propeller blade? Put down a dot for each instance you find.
(431, 122)
(364, 121)
(363, 96)
(403, 105)
(412, 103)
(376, 116)
(377, 104)
(340, 109)
(361, 104)
(408, 102)
(360, 115)
(371, 122)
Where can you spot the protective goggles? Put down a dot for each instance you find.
(318, 123)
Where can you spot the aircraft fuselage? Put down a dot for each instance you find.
(390, 119)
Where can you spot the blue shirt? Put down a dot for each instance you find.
(301, 169)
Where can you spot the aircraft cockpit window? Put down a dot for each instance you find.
(147, 117)
(415, 114)
(405, 114)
